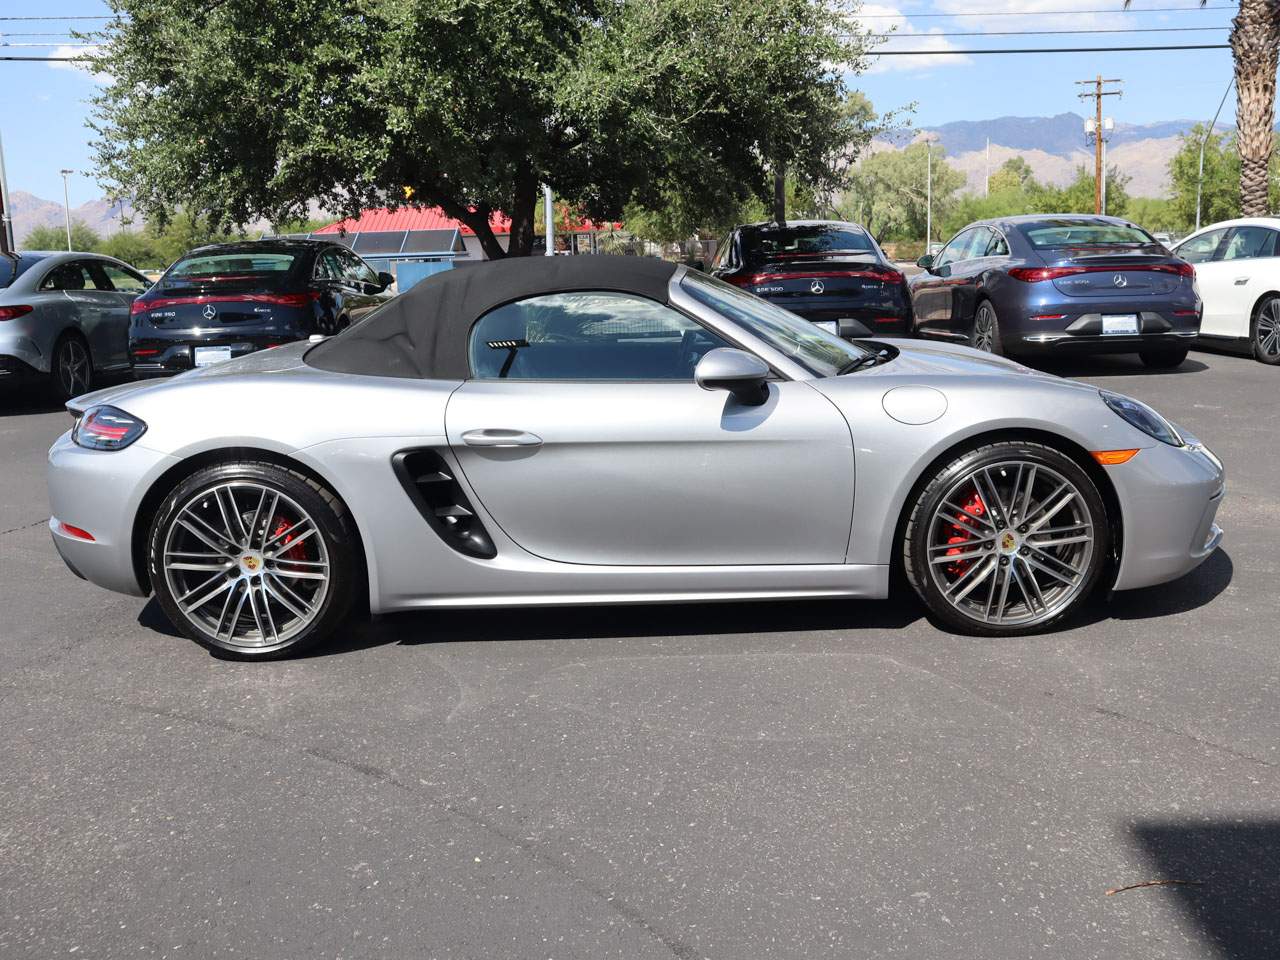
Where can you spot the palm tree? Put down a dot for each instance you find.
(1255, 45)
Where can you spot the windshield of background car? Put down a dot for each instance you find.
(1044, 234)
(230, 267)
(772, 243)
(11, 269)
(822, 354)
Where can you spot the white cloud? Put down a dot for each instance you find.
(77, 65)
(1048, 15)
(903, 35)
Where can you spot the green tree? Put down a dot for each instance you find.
(244, 110)
(51, 237)
(1079, 195)
(888, 190)
(1015, 174)
(1220, 193)
(1156, 214)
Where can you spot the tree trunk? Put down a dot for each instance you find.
(780, 195)
(524, 203)
(1255, 43)
(478, 221)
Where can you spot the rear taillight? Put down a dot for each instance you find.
(276, 299)
(78, 532)
(744, 279)
(12, 313)
(138, 306)
(107, 428)
(1037, 274)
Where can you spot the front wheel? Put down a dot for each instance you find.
(985, 334)
(1265, 335)
(253, 560)
(1165, 359)
(1007, 539)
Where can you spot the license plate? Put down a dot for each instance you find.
(827, 325)
(1120, 324)
(204, 356)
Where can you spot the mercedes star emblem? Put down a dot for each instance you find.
(816, 287)
(209, 312)
(1119, 280)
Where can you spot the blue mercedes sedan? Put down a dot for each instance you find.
(1051, 284)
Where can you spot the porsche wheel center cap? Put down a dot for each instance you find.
(1008, 542)
(251, 564)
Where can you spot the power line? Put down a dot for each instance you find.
(1037, 13)
(105, 17)
(1033, 33)
(934, 53)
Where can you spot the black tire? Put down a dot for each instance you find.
(985, 333)
(1264, 331)
(1165, 358)
(296, 495)
(927, 545)
(70, 368)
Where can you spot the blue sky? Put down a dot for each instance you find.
(45, 106)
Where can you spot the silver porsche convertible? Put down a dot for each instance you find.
(616, 430)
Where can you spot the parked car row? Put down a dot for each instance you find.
(68, 317)
(1027, 286)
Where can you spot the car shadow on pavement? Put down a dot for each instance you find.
(622, 621)
(1225, 878)
(1117, 365)
(1189, 592)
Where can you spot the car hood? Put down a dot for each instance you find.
(929, 358)
(273, 360)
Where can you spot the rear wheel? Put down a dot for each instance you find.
(1265, 335)
(71, 370)
(1164, 359)
(1007, 539)
(253, 560)
(985, 334)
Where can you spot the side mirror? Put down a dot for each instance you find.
(743, 374)
(926, 262)
(386, 279)
(849, 329)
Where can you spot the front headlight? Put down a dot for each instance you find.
(1138, 414)
(107, 428)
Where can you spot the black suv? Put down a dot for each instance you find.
(229, 299)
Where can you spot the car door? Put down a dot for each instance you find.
(931, 291)
(1213, 278)
(1248, 268)
(971, 264)
(585, 437)
(363, 291)
(90, 308)
(125, 285)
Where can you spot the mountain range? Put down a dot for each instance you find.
(30, 211)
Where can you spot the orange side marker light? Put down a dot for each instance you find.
(1109, 458)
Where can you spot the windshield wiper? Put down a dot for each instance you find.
(870, 360)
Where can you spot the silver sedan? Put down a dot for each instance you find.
(64, 318)
(612, 430)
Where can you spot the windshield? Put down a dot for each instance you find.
(1083, 233)
(11, 269)
(229, 266)
(822, 354)
(772, 243)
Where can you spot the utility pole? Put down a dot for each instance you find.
(66, 203)
(1099, 91)
(986, 178)
(6, 215)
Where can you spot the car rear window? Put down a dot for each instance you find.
(231, 266)
(798, 241)
(1077, 233)
(11, 269)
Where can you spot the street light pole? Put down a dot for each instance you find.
(66, 203)
(6, 215)
(548, 221)
(928, 193)
(1203, 142)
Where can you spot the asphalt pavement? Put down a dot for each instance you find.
(772, 780)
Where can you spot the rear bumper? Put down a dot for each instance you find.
(176, 354)
(886, 319)
(1170, 498)
(1046, 343)
(20, 356)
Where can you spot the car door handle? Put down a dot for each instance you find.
(1241, 281)
(501, 438)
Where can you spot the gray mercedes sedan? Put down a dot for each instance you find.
(64, 318)
(614, 430)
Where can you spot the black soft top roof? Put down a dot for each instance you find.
(423, 332)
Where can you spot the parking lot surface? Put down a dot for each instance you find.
(802, 779)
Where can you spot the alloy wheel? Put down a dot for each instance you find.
(75, 371)
(246, 564)
(983, 323)
(1267, 333)
(1011, 543)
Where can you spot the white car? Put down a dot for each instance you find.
(1238, 272)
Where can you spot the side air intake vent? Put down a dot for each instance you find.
(439, 498)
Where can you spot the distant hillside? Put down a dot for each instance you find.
(30, 211)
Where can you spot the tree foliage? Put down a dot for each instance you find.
(1220, 192)
(888, 192)
(244, 110)
(54, 237)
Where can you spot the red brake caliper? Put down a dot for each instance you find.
(298, 552)
(961, 533)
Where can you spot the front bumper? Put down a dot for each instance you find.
(1170, 498)
(100, 491)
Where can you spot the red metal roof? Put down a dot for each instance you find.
(411, 218)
